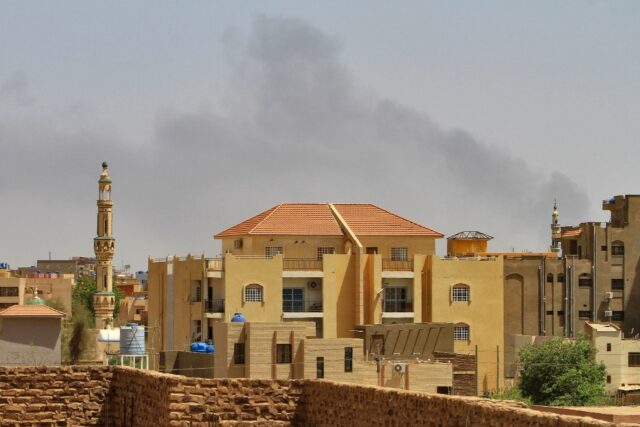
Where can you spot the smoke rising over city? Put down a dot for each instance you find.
(291, 123)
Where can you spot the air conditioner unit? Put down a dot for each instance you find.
(608, 295)
(608, 313)
(399, 368)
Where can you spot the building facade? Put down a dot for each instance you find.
(337, 266)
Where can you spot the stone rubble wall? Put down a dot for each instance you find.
(116, 396)
(325, 404)
(53, 395)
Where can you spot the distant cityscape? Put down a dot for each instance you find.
(345, 292)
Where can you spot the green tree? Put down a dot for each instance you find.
(83, 295)
(562, 372)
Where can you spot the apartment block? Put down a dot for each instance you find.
(336, 266)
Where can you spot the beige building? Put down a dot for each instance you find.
(594, 280)
(337, 266)
(30, 335)
(466, 288)
(18, 290)
(620, 356)
(289, 350)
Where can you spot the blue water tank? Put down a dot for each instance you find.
(211, 348)
(199, 347)
(238, 317)
(132, 339)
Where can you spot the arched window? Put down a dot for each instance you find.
(549, 277)
(253, 293)
(584, 280)
(617, 248)
(461, 332)
(560, 277)
(460, 292)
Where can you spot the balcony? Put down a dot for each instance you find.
(301, 267)
(214, 307)
(397, 306)
(302, 308)
(308, 264)
(397, 265)
(215, 264)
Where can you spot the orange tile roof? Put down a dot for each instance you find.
(31, 311)
(371, 220)
(317, 219)
(306, 219)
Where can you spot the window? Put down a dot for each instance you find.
(573, 247)
(561, 278)
(550, 312)
(253, 293)
(9, 291)
(395, 300)
(617, 248)
(608, 379)
(560, 312)
(325, 251)
(348, 359)
(603, 248)
(460, 293)
(238, 353)
(443, 389)
(584, 280)
(399, 254)
(319, 367)
(237, 244)
(608, 346)
(461, 332)
(618, 316)
(271, 251)
(617, 284)
(293, 300)
(549, 278)
(283, 353)
(634, 360)
(584, 314)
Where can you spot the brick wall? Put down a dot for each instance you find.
(51, 395)
(128, 397)
(464, 372)
(324, 403)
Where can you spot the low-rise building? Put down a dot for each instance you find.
(30, 335)
(620, 355)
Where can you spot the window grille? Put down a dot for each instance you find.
(253, 293)
(399, 254)
(461, 333)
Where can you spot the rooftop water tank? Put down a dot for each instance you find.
(132, 339)
(238, 317)
(199, 347)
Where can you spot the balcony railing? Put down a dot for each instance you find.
(301, 264)
(302, 306)
(397, 306)
(397, 265)
(214, 306)
(215, 264)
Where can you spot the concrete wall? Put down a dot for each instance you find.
(128, 397)
(18, 338)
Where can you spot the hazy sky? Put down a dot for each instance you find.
(458, 115)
